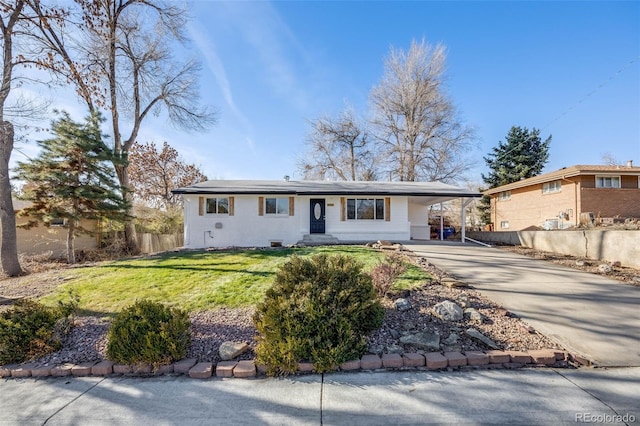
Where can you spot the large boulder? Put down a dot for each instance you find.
(449, 311)
(422, 340)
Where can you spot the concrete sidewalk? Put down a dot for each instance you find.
(529, 396)
(590, 315)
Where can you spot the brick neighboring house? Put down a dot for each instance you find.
(559, 198)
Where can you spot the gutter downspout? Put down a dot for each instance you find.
(575, 200)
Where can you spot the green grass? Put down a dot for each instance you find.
(196, 280)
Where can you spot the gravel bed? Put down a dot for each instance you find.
(507, 331)
(209, 329)
(616, 272)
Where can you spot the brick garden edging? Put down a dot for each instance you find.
(431, 361)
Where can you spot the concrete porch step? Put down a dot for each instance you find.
(318, 239)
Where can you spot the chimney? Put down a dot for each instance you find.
(630, 163)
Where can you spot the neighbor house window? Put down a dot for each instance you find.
(365, 208)
(607, 181)
(217, 205)
(276, 206)
(504, 224)
(550, 187)
(57, 221)
(504, 195)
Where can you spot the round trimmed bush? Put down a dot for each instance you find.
(149, 332)
(319, 309)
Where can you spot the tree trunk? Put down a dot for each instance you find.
(71, 248)
(130, 236)
(9, 248)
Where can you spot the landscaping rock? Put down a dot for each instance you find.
(376, 349)
(474, 315)
(449, 311)
(424, 340)
(394, 333)
(451, 340)
(604, 268)
(476, 335)
(463, 300)
(402, 305)
(230, 350)
(394, 349)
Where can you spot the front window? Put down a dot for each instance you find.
(277, 206)
(218, 205)
(504, 224)
(550, 187)
(365, 208)
(607, 181)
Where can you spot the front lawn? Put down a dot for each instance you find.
(197, 280)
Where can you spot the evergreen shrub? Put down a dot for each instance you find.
(319, 309)
(29, 329)
(148, 332)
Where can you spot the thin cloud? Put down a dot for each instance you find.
(208, 49)
(275, 45)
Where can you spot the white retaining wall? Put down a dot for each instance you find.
(605, 245)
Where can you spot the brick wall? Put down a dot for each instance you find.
(605, 202)
(530, 207)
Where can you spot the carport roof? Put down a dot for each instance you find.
(324, 188)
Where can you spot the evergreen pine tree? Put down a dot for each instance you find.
(522, 156)
(72, 179)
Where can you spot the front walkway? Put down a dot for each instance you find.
(589, 315)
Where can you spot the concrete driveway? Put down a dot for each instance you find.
(588, 314)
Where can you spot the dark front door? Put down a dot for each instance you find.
(317, 216)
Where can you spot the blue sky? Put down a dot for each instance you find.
(571, 69)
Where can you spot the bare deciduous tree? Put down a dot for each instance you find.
(11, 20)
(154, 173)
(415, 123)
(119, 56)
(608, 159)
(338, 148)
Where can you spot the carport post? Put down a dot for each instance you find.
(441, 223)
(464, 217)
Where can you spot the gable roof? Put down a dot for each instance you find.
(324, 188)
(567, 172)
